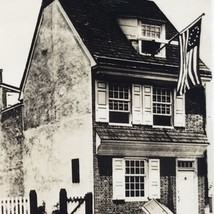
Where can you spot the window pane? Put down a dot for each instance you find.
(118, 117)
(162, 120)
(119, 101)
(162, 106)
(135, 178)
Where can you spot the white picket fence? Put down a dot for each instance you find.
(14, 205)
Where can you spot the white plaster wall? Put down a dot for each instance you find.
(47, 159)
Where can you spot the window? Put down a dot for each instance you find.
(162, 106)
(152, 31)
(186, 164)
(150, 39)
(119, 104)
(145, 38)
(135, 178)
(139, 105)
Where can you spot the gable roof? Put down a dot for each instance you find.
(96, 23)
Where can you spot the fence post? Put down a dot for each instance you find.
(63, 201)
(88, 203)
(33, 202)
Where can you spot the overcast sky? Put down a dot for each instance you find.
(18, 19)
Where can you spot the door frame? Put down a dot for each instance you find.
(194, 169)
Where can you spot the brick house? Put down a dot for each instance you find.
(100, 114)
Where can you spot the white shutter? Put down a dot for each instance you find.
(147, 105)
(136, 104)
(118, 176)
(179, 110)
(154, 178)
(102, 112)
(129, 27)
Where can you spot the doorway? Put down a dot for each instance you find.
(187, 186)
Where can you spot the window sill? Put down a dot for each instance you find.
(120, 124)
(163, 127)
(131, 199)
(136, 199)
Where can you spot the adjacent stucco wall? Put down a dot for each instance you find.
(57, 113)
(11, 168)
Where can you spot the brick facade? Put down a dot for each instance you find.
(103, 189)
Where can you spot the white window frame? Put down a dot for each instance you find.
(140, 106)
(151, 179)
(192, 160)
(144, 27)
(161, 39)
(132, 28)
(122, 100)
(171, 104)
(145, 175)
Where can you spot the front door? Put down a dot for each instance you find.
(187, 188)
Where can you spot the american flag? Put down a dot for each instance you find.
(189, 41)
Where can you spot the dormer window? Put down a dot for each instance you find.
(151, 31)
(145, 37)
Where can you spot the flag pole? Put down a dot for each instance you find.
(177, 34)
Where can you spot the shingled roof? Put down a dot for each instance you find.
(148, 141)
(130, 134)
(96, 22)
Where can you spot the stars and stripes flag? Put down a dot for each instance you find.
(189, 41)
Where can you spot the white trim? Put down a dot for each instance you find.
(195, 171)
(162, 40)
(77, 36)
(14, 89)
(163, 127)
(146, 187)
(120, 124)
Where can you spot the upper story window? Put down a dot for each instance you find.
(162, 106)
(153, 31)
(139, 104)
(119, 104)
(146, 38)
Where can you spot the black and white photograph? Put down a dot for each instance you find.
(106, 107)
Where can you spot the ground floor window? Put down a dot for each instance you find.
(136, 179)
